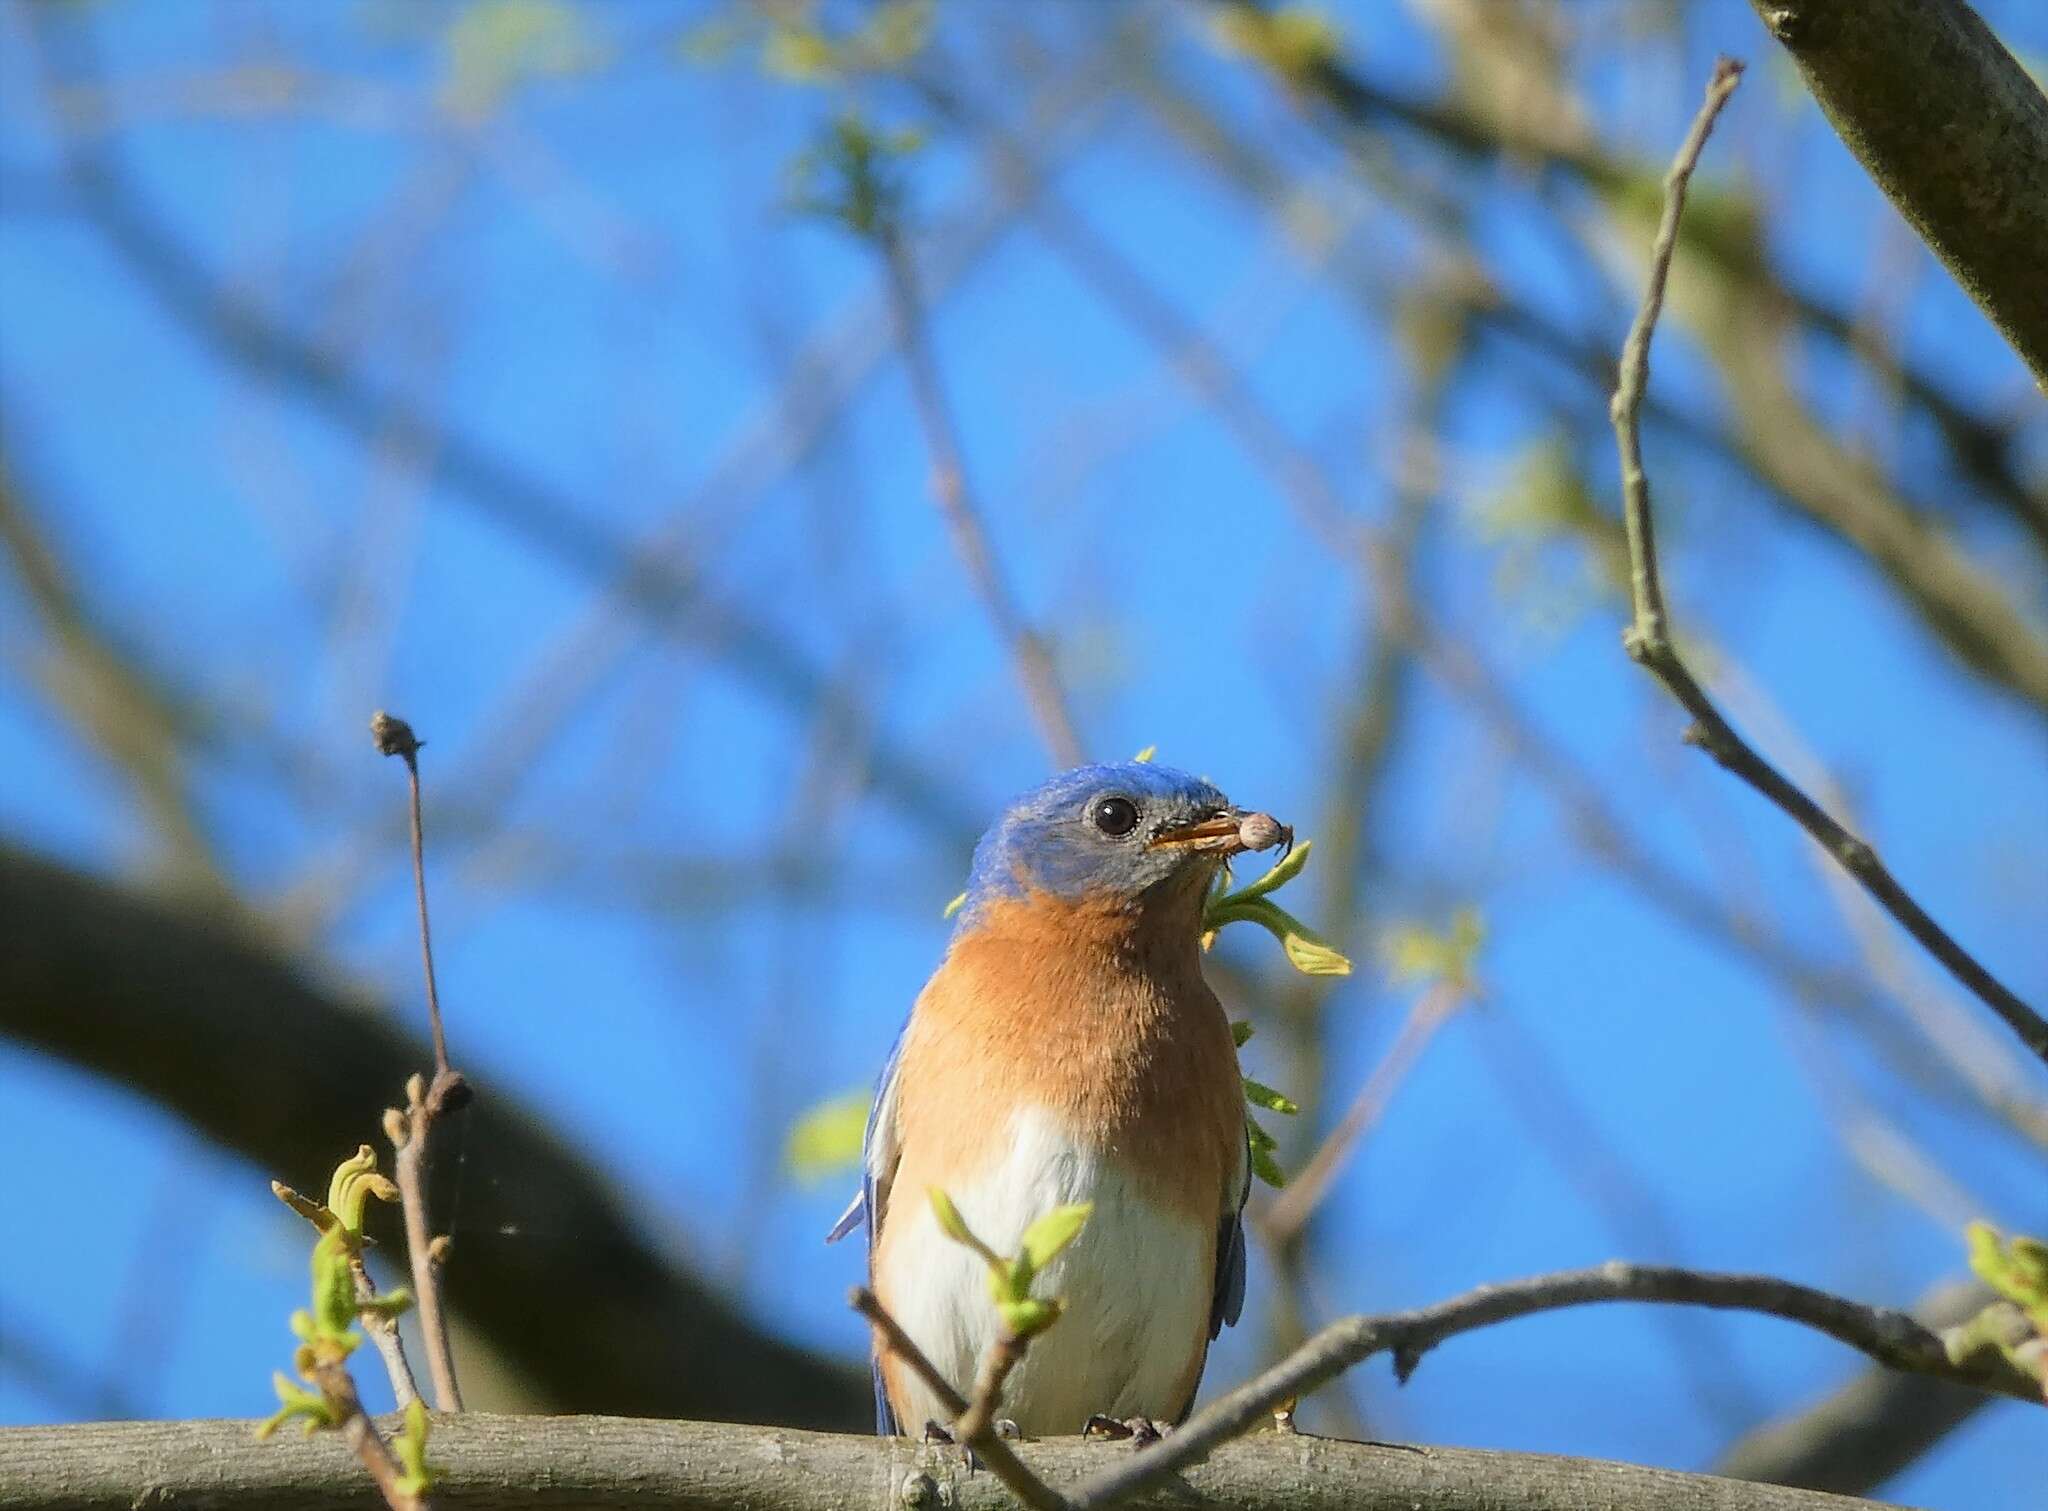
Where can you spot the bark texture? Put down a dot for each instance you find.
(502, 1463)
(1951, 128)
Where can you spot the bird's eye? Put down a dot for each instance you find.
(1116, 816)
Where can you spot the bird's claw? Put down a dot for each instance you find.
(1141, 1431)
(938, 1433)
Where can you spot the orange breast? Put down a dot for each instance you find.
(1109, 1028)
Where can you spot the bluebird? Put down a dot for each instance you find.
(1067, 1049)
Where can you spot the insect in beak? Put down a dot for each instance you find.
(1231, 832)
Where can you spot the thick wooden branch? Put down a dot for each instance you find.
(1953, 131)
(504, 1463)
(590, 1309)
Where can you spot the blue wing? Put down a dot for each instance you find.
(878, 1156)
(1228, 1304)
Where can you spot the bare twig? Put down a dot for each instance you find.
(363, 1438)
(1649, 643)
(424, 1102)
(395, 737)
(1004, 1355)
(1891, 1337)
(382, 1327)
(1291, 1210)
(1035, 670)
(978, 1415)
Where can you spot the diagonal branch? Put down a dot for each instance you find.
(1891, 1337)
(949, 487)
(1291, 1210)
(974, 1419)
(1961, 603)
(1648, 640)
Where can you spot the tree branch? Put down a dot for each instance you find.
(1315, 497)
(411, 1130)
(1289, 1212)
(1967, 163)
(1891, 1337)
(1026, 647)
(1962, 604)
(504, 1463)
(977, 1435)
(1649, 642)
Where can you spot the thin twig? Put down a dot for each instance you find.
(363, 1439)
(1648, 641)
(424, 1102)
(1891, 1337)
(395, 737)
(1004, 1355)
(992, 1450)
(1035, 670)
(382, 1327)
(1291, 1210)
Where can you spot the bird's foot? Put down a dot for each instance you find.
(1141, 1431)
(938, 1433)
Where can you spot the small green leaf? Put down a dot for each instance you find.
(410, 1445)
(954, 1226)
(1415, 954)
(1262, 1155)
(1028, 1317)
(954, 906)
(951, 1223)
(1146, 754)
(1313, 955)
(1241, 1031)
(827, 1138)
(2016, 1268)
(1051, 1233)
(1280, 873)
(1261, 1095)
(389, 1304)
(345, 1174)
(296, 1402)
(1306, 950)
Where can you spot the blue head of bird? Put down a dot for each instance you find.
(1130, 835)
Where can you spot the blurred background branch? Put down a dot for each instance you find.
(477, 360)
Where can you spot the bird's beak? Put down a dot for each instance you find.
(1231, 832)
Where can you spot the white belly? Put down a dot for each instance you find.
(1136, 1286)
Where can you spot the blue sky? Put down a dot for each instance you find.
(599, 281)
